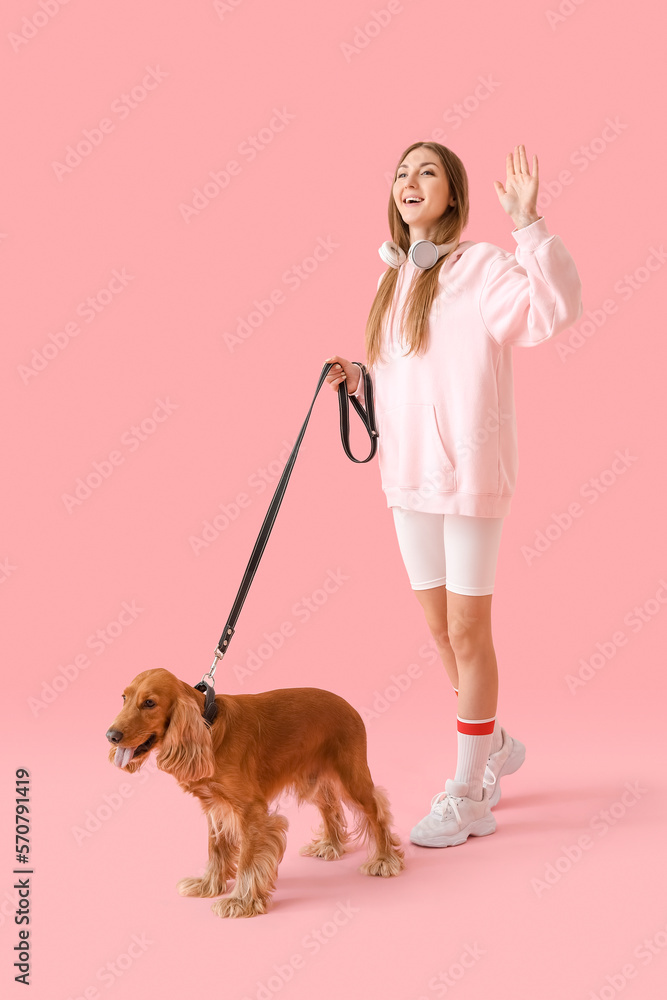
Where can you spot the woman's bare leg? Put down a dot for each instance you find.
(434, 603)
(471, 641)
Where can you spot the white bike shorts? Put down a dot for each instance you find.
(454, 550)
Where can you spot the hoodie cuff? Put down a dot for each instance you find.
(360, 382)
(532, 236)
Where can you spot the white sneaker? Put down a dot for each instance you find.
(507, 760)
(454, 817)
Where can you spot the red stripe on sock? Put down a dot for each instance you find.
(475, 728)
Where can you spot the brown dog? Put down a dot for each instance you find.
(302, 740)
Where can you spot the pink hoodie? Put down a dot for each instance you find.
(447, 425)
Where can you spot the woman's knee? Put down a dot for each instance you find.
(469, 622)
(434, 604)
(440, 634)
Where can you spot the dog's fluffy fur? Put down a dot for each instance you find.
(306, 741)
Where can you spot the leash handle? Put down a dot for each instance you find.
(368, 419)
(367, 415)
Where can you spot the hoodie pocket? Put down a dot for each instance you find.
(413, 452)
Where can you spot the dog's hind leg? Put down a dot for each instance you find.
(329, 842)
(263, 841)
(222, 857)
(370, 802)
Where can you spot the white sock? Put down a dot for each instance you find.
(473, 753)
(496, 739)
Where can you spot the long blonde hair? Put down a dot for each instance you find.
(425, 285)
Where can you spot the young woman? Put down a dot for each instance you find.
(441, 368)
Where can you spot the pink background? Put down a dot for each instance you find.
(66, 574)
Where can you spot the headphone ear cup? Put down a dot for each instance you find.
(424, 254)
(391, 254)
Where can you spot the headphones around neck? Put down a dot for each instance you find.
(423, 254)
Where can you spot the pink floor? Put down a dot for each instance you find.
(566, 898)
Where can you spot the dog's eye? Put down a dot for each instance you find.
(149, 703)
(123, 697)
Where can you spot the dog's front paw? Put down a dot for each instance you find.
(231, 907)
(201, 887)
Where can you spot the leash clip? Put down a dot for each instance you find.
(219, 653)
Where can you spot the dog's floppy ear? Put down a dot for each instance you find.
(187, 751)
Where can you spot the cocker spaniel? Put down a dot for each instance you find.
(306, 741)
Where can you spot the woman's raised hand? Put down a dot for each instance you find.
(343, 370)
(519, 196)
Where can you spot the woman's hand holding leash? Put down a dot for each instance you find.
(342, 371)
(519, 196)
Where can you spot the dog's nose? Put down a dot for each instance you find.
(114, 735)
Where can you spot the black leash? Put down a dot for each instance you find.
(206, 684)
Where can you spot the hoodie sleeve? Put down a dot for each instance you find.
(531, 296)
(359, 391)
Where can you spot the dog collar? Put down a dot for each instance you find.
(210, 708)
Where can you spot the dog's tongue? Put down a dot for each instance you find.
(123, 756)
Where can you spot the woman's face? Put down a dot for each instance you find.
(421, 176)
